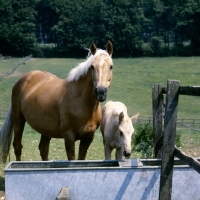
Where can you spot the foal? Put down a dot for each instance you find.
(117, 129)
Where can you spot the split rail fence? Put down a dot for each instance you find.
(10, 71)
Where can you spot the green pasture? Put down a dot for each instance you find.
(5, 65)
(133, 79)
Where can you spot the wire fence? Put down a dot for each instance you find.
(192, 124)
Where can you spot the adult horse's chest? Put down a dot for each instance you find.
(86, 123)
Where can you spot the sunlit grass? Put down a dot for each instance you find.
(5, 65)
(133, 79)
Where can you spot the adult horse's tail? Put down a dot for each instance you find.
(6, 133)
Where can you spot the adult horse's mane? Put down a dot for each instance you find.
(83, 67)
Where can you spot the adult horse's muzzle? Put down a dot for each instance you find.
(127, 153)
(100, 94)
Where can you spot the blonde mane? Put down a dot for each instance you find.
(83, 67)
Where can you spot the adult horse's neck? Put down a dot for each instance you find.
(83, 90)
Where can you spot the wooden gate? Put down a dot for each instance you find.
(164, 138)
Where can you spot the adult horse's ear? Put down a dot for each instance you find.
(93, 48)
(134, 118)
(121, 117)
(109, 48)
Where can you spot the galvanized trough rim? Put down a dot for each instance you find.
(59, 165)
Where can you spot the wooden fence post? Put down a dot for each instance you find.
(157, 105)
(169, 140)
(64, 194)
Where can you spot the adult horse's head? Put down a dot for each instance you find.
(101, 67)
(97, 67)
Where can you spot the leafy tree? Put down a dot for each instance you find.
(17, 29)
(82, 22)
(127, 18)
(153, 10)
(5, 23)
(187, 13)
(74, 24)
(47, 17)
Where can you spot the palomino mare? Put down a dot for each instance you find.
(58, 108)
(117, 129)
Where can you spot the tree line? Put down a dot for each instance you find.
(61, 28)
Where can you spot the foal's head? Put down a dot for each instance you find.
(101, 67)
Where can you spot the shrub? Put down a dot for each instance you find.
(147, 50)
(181, 50)
(156, 45)
(143, 140)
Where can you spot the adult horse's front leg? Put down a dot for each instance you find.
(83, 147)
(70, 146)
(44, 147)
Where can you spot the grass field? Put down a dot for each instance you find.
(132, 83)
(133, 79)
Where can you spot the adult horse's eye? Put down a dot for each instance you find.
(120, 133)
(111, 67)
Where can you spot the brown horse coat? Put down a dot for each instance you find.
(58, 108)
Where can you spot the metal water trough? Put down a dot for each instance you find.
(96, 180)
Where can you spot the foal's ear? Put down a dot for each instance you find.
(134, 118)
(109, 48)
(93, 48)
(121, 117)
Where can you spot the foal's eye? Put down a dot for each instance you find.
(92, 67)
(111, 67)
(120, 133)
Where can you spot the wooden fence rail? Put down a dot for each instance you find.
(192, 162)
(164, 139)
(10, 71)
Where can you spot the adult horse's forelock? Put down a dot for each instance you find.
(83, 67)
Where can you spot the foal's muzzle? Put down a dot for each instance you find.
(100, 93)
(127, 153)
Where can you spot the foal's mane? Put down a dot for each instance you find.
(83, 67)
